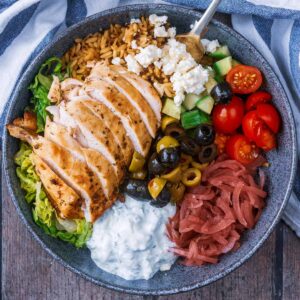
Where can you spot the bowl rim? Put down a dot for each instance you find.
(136, 291)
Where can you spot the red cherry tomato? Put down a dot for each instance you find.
(256, 98)
(257, 131)
(228, 117)
(238, 147)
(265, 138)
(269, 114)
(244, 79)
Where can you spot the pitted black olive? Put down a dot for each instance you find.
(204, 134)
(222, 93)
(169, 157)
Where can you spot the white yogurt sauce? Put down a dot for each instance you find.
(130, 240)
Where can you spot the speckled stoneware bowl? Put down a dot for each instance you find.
(280, 174)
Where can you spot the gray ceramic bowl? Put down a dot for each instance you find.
(280, 174)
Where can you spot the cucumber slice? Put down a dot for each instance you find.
(193, 118)
(206, 104)
(221, 52)
(210, 84)
(223, 66)
(171, 109)
(190, 101)
(235, 62)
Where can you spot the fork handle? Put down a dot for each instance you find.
(206, 18)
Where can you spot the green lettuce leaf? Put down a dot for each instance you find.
(76, 232)
(41, 86)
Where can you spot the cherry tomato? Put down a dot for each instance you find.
(256, 98)
(265, 138)
(257, 131)
(269, 114)
(238, 147)
(228, 117)
(244, 79)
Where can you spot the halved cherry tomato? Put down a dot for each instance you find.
(238, 147)
(269, 114)
(244, 79)
(256, 98)
(228, 117)
(257, 131)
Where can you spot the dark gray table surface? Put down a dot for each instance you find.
(28, 272)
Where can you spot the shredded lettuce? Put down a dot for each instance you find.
(40, 88)
(76, 232)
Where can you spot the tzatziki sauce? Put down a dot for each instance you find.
(130, 240)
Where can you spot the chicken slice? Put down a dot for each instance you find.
(97, 134)
(54, 94)
(115, 125)
(131, 93)
(73, 171)
(95, 161)
(119, 105)
(64, 199)
(144, 87)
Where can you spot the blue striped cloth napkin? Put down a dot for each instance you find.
(273, 26)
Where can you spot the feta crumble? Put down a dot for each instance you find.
(134, 45)
(158, 20)
(160, 31)
(116, 61)
(135, 21)
(132, 64)
(210, 46)
(148, 55)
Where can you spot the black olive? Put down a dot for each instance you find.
(189, 146)
(154, 165)
(175, 131)
(222, 93)
(204, 134)
(137, 189)
(169, 157)
(207, 153)
(162, 199)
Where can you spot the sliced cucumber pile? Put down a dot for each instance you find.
(171, 109)
(206, 104)
(223, 66)
(221, 52)
(190, 101)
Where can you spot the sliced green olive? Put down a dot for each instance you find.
(139, 175)
(137, 162)
(175, 130)
(191, 177)
(173, 176)
(155, 186)
(166, 142)
(166, 121)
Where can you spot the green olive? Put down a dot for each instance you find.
(177, 192)
(166, 142)
(191, 177)
(137, 162)
(155, 186)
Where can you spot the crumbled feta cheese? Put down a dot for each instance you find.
(148, 55)
(116, 61)
(134, 45)
(210, 46)
(160, 31)
(135, 21)
(159, 88)
(172, 32)
(157, 20)
(190, 82)
(185, 65)
(132, 64)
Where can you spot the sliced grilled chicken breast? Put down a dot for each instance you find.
(64, 199)
(122, 108)
(115, 125)
(131, 93)
(95, 161)
(73, 171)
(144, 87)
(97, 135)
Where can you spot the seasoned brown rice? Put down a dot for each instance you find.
(116, 42)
